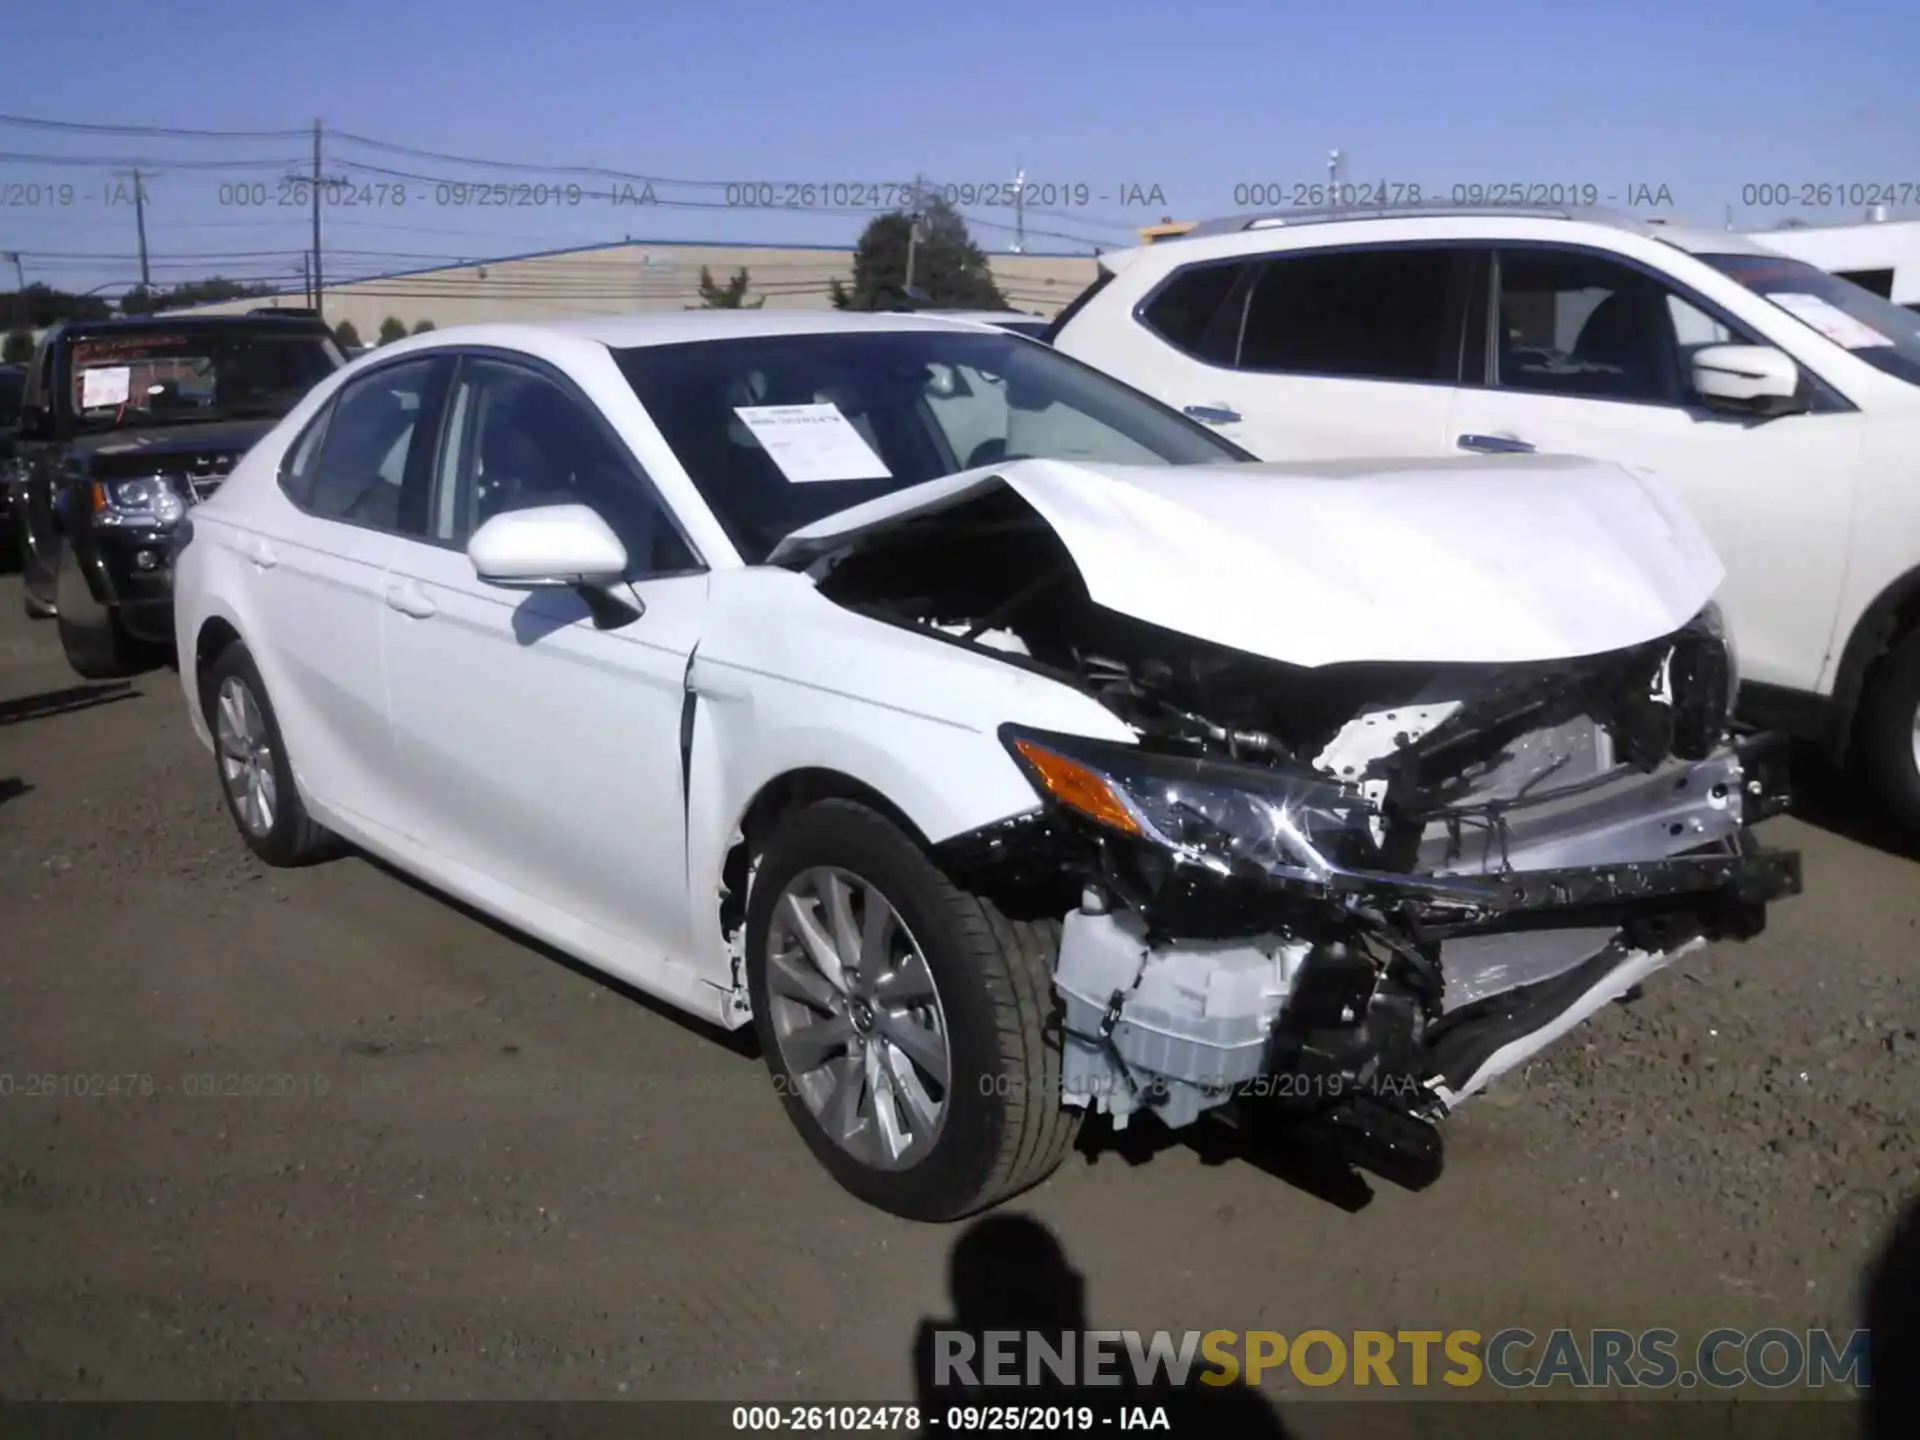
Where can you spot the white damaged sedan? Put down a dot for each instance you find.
(1000, 744)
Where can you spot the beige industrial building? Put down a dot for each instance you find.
(638, 276)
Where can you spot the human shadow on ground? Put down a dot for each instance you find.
(1008, 1272)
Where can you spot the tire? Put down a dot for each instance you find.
(96, 645)
(289, 837)
(1002, 1125)
(1890, 733)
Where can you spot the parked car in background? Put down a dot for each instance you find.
(13, 380)
(124, 424)
(1110, 770)
(1782, 404)
(1881, 256)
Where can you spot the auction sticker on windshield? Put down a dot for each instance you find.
(104, 386)
(1829, 320)
(812, 443)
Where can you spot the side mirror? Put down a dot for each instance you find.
(550, 546)
(1749, 379)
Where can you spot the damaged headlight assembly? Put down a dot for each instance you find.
(1229, 819)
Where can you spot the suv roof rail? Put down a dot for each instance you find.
(1323, 215)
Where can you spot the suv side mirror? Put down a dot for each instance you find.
(548, 546)
(1747, 379)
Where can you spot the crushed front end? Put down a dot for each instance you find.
(1363, 892)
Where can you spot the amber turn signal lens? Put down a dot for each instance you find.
(1078, 787)
(99, 496)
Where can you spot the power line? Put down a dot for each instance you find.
(614, 196)
(159, 131)
(125, 162)
(598, 171)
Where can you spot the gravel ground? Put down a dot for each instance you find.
(473, 1170)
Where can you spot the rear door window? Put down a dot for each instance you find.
(368, 452)
(1386, 314)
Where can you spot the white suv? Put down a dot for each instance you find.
(1782, 403)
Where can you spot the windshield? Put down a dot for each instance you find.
(1883, 334)
(162, 378)
(778, 431)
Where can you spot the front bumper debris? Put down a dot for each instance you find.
(1338, 989)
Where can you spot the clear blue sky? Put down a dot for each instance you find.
(1704, 99)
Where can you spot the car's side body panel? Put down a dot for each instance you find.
(785, 681)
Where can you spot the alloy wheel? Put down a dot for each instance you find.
(857, 1018)
(246, 757)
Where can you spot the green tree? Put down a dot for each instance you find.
(730, 296)
(144, 300)
(18, 348)
(948, 268)
(391, 329)
(423, 327)
(39, 306)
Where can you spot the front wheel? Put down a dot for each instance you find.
(908, 1025)
(1890, 733)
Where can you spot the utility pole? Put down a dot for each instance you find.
(913, 235)
(1333, 177)
(19, 274)
(316, 216)
(318, 181)
(1020, 211)
(306, 278)
(140, 224)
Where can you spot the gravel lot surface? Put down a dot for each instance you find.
(466, 1168)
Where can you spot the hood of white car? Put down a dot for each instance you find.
(1472, 561)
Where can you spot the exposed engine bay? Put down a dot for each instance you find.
(1362, 890)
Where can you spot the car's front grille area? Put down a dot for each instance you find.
(204, 475)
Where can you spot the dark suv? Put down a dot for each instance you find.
(123, 425)
(13, 380)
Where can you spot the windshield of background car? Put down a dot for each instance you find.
(1885, 335)
(778, 431)
(161, 377)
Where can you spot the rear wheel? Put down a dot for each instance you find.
(1890, 732)
(255, 775)
(906, 1023)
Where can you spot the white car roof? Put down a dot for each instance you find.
(985, 317)
(675, 327)
(1261, 231)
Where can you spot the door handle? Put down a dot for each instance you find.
(409, 599)
(1212, 414)
(1495, 444)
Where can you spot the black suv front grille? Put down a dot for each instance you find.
(201, 476)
